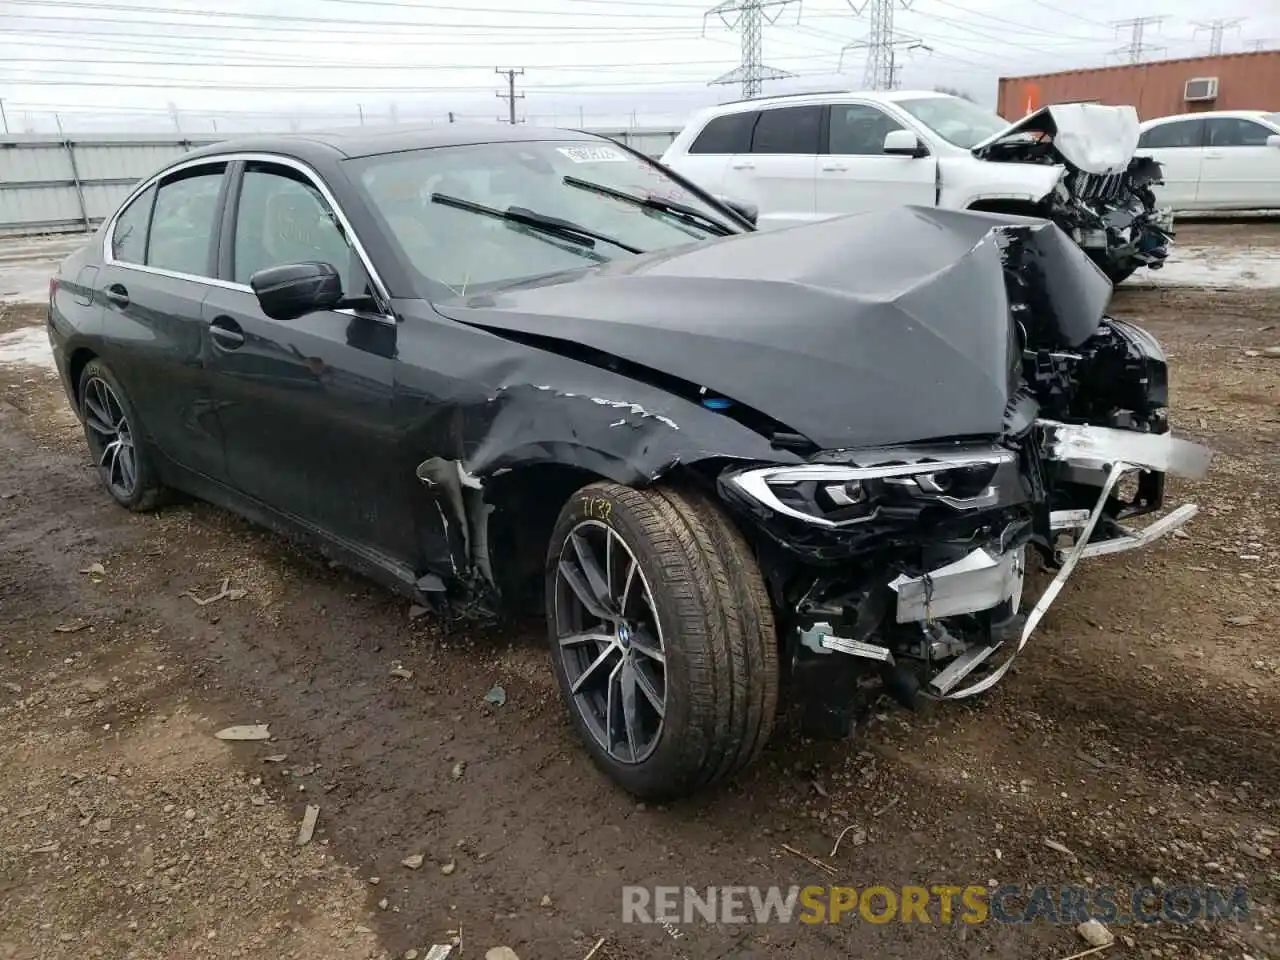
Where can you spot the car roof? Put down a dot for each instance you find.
(819, 96)
(1208, 114)
(352, 142)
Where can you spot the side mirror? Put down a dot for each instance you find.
(748, 211)
(1274, 140)
(292, 290)
(904, 143)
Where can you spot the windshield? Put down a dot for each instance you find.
(955, 120)
(1273, 119)
(452, 243)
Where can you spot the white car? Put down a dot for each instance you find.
(810, 156)
(1216, 160)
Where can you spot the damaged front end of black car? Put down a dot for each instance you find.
(1105, 199)
(936, 398)
(901, 567)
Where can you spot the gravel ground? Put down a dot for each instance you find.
(1139, 733)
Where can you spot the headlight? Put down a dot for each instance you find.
(836, 495)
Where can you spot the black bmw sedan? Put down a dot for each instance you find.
(501, 368)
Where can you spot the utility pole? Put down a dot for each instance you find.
(748, 17)
(1216, 29)
(510, 96)
(881, 70)
(360, 109)
(1137, 27)
(4, 117)
(1265, 43)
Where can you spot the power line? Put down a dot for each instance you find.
(609, 35)
(510, 96)
(255, 18)
(881, 44)
(1216, 28)
(751, 18)
(1137, 27)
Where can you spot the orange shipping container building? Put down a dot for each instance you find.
(1244, 81)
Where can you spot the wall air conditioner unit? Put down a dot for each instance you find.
(1200, 88)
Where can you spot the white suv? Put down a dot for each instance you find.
(811, 156)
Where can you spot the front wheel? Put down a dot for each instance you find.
(662, 637)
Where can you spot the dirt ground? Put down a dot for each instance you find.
(1140, 731)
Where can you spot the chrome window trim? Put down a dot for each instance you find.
(227, 158)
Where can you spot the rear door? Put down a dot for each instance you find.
(305, 404)
(1240, 171)
(777, 174)
(856, 175)
(706, 162)
(157, 270)
(1178, 147)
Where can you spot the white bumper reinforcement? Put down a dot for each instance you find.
(982, 580)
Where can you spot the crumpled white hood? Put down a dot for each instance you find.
(1095, 138)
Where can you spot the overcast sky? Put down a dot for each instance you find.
(271, 64)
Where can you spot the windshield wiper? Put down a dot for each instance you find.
(673, 208)
(556, 226)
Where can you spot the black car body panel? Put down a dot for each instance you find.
(845, 331)
(870, 398)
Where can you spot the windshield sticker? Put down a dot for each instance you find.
(593, 154)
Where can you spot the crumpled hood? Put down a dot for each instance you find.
(880, 328)
(1093, 137)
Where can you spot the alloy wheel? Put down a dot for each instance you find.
(110, 438)
(610, 642)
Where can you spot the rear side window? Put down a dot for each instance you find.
(788, 130)
(182, 226)
(1180, 133)
(730, 133)
(129, 238)
(1235, 132)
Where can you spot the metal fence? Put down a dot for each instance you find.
(70, 184)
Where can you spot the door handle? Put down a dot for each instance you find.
(117, 294)
(226, 333)
(745, 165)
(835, 167)
(1213, 156)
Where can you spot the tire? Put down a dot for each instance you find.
(702, 605)
(112, 432)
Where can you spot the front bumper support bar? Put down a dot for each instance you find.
(982, 580)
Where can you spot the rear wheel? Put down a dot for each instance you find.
(111, 429)
(662, 637)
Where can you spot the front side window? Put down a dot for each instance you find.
(859, 130)
(129, 237)
(429, 202)
(184, 221)
(1235, 132)
(1180, 133)
(282, 218)
(788, 130)
(955, 120)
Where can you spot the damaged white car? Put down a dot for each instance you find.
(811, 156)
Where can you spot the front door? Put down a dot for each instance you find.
(1240, 171)
(856, 175)
(305, 404)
